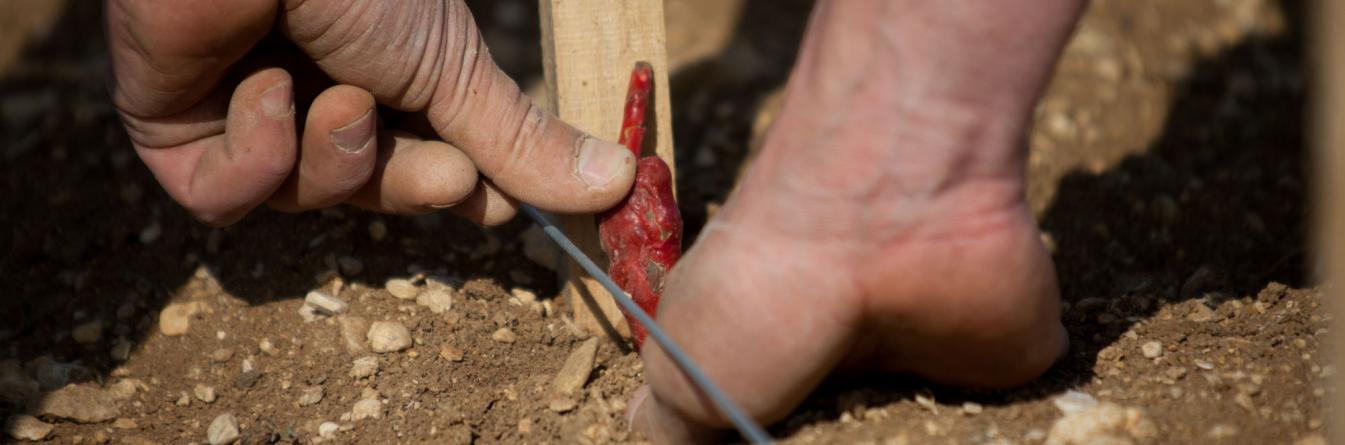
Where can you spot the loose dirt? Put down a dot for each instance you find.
(1167, 171)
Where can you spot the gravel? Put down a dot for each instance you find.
(175, 319)
(204, 393)
(364, 367)
(504, 335)
(366, 409)
(1152, 349)
(324, 304)
(574, 373)
(81, 403)
(25, 427)
(223, 430)
(310, 396)
(388, 336)
(401, 288)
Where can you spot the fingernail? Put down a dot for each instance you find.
(355, 136)
(637, 401)
(601, 161)
(277, 101)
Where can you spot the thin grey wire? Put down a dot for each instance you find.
(749, 428)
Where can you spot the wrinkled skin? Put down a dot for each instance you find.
(211, 94)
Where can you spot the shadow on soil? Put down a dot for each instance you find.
(91, 235)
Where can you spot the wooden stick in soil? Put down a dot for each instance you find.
(588, 48)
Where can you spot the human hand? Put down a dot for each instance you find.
(208, 90)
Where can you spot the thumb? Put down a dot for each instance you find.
(430, 57)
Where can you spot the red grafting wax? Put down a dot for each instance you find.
(642, 235)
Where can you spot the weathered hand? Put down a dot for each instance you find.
(884, 226)
(207, 91)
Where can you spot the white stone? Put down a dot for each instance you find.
(1071, 401)
(1104, 423)
(388, 336)
(175, 318)
(504, 335)
(437, 300)
(223, 430)
(310, 396)
(25, 427)
(1152, 349)
(324, 304)
(327, 430)
(364, 367)
(366, 409)
(204, 393)
(401, 288)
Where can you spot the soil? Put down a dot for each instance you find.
(1168, 173)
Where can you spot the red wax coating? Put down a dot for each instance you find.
(642, 235)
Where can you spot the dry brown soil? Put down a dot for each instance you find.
(1167, 171)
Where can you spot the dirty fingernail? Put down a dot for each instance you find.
(355, 136)
(600, 162)
(277, 101)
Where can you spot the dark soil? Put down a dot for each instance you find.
(1167, 172)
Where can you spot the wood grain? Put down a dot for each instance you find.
(589, 48)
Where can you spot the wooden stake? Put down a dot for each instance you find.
(589, 48)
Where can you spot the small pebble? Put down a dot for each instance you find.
(450, 353)
(123, 423)
(972, 408)
(87, 332)
(175, 318)
(436, 300)
(366, 409)
(324, 304)
(183, 400)
(26, 427)
(504, 335)
(327, 430)
(1222, 431)
(378, 230)
(388, 336)
(364, 367)
(310, 396)
(204, 393)
(223, 430)
(1152, 349)
(267, 347)
(151, 233)
(401, 288)
(562, 404)
(1072, 401)
(575, 372)
(355, 333)
(221, 355)
(523, 295)
(121, 351)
